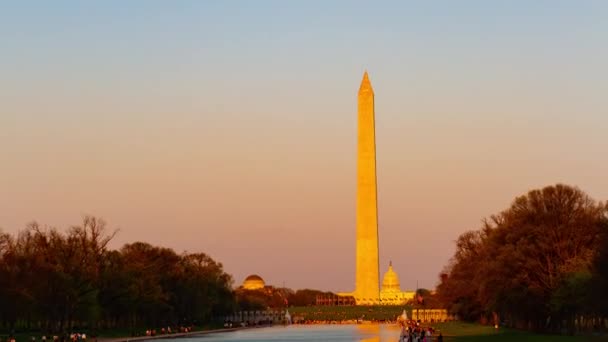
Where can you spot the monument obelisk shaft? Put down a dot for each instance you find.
(367, 279)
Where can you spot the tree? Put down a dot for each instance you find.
(599, 280)
(529, 263)
(72, 279)
(305, 297)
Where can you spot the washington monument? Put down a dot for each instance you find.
(367, 285)
(367, 278)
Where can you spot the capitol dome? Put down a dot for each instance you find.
(253, 282)
(390, 283)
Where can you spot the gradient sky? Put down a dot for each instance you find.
(230, 127)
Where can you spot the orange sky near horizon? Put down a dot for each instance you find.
(242, 143)
(278, 200)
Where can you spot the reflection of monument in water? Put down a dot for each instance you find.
(370, 332)
(367, 290)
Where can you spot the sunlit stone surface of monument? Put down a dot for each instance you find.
(367, 289)
(367, 275)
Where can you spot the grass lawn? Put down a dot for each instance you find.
(338, 313)
(460, 331)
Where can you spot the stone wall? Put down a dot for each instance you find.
(431, 315)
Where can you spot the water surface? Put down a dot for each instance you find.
(303, 333)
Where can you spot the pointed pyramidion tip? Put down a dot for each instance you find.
(366, 85)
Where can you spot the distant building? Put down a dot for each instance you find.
(391, 293)
(253, 282)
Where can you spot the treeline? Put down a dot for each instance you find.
(302, 314)
(542, 264)
(281, 297)
(56, 282)
(276, 298)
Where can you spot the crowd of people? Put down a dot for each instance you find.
(412, 331)
(73, 337)
(168, 330)
(82, 337)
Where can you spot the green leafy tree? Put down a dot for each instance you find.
(71, 279)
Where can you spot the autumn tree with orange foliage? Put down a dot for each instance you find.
(534, 265)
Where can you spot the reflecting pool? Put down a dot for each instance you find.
(329, 333)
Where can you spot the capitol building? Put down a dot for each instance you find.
(390, 292)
